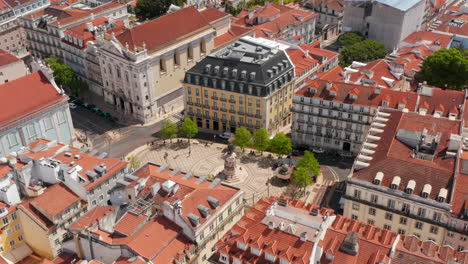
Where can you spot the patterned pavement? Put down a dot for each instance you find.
(207, 159)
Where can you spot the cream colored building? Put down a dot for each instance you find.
(11, 67)
(142, 68)
(410, 176)
(249, 83)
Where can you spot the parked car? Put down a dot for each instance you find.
(318, 150)
(346, 154)
(226, 135)
(96, 110)
(72, 105)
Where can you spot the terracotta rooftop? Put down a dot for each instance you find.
(213, 14)
(374, 242)
(234, 33)
(130, 223)
(454, 24)
(394, 158)
(336, 5)
(190, 192)
(412, 57)
(412, 250)
(81, 31)
(66, 155)
(183, 23)
(445, 101)
(377, 71)
(92, 217)
(7, 58)
(429, 38)
(367, 96)
(49, 203)
(66, 15)
(27, 95)
(281, 17)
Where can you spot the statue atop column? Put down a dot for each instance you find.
(230, 162)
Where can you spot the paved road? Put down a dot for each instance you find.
(98, 129)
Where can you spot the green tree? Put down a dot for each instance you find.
(78, 86)
(149, 9)
(261, 140)
(445, 68)
(281, 144)
(309, 162)
(350, 38)
(168, 130)
(243, 138)
(134, 163)
(63, 73)
(302, 177)
(364, 51)
(188, 129)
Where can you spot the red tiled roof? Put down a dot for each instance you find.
(448, 26)
(253, 233)
(412, 250)
(81, 31)
(133, 260)
(446, 101)
(373, 241)
(129, 223)
(184, 22)
(376, 69)
(190, 193)
(7, 58)
(302, 60)
(49, 203)
(212, 14)
(366, 97)
(234, 33)
(27, 95)
(34, 213)
(287, 16)
(88, 162)
(394, 158)
(336, 5)
(16, 3)
(91, 218)
(429, 38)
(159, 240)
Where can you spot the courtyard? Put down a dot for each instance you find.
(254, 172)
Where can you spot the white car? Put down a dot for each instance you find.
(318, 150)
(72, 105)
(226, 135)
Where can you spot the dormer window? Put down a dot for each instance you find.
(270, 257)
(401, 106)
(410, 187)
(241, 246)
(437, 114)
(385, 103)
(255, 251)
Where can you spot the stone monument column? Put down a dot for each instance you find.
(229, 172)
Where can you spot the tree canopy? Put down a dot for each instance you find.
(302, 177)
(149, 9)
(364, 51)
(188, 129)
(261, 139)
(168, 130)
(281, 144)
(350, 38)
(134, 163)
(243, 138)
(309, 162)
(63, 73)
(445, 68)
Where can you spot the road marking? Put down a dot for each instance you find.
(333, 172)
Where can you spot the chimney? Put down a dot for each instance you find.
(350, 244)
(271, 225)
(90, 26)
(328, 86)
(377, 89)
(303, 236)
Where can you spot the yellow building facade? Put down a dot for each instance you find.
(11, 235)
(246, 84)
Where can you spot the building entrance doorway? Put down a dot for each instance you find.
(346, 146)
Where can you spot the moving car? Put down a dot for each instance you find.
(226, 135)
(72, 105)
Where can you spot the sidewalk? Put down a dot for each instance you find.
(90, 97)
